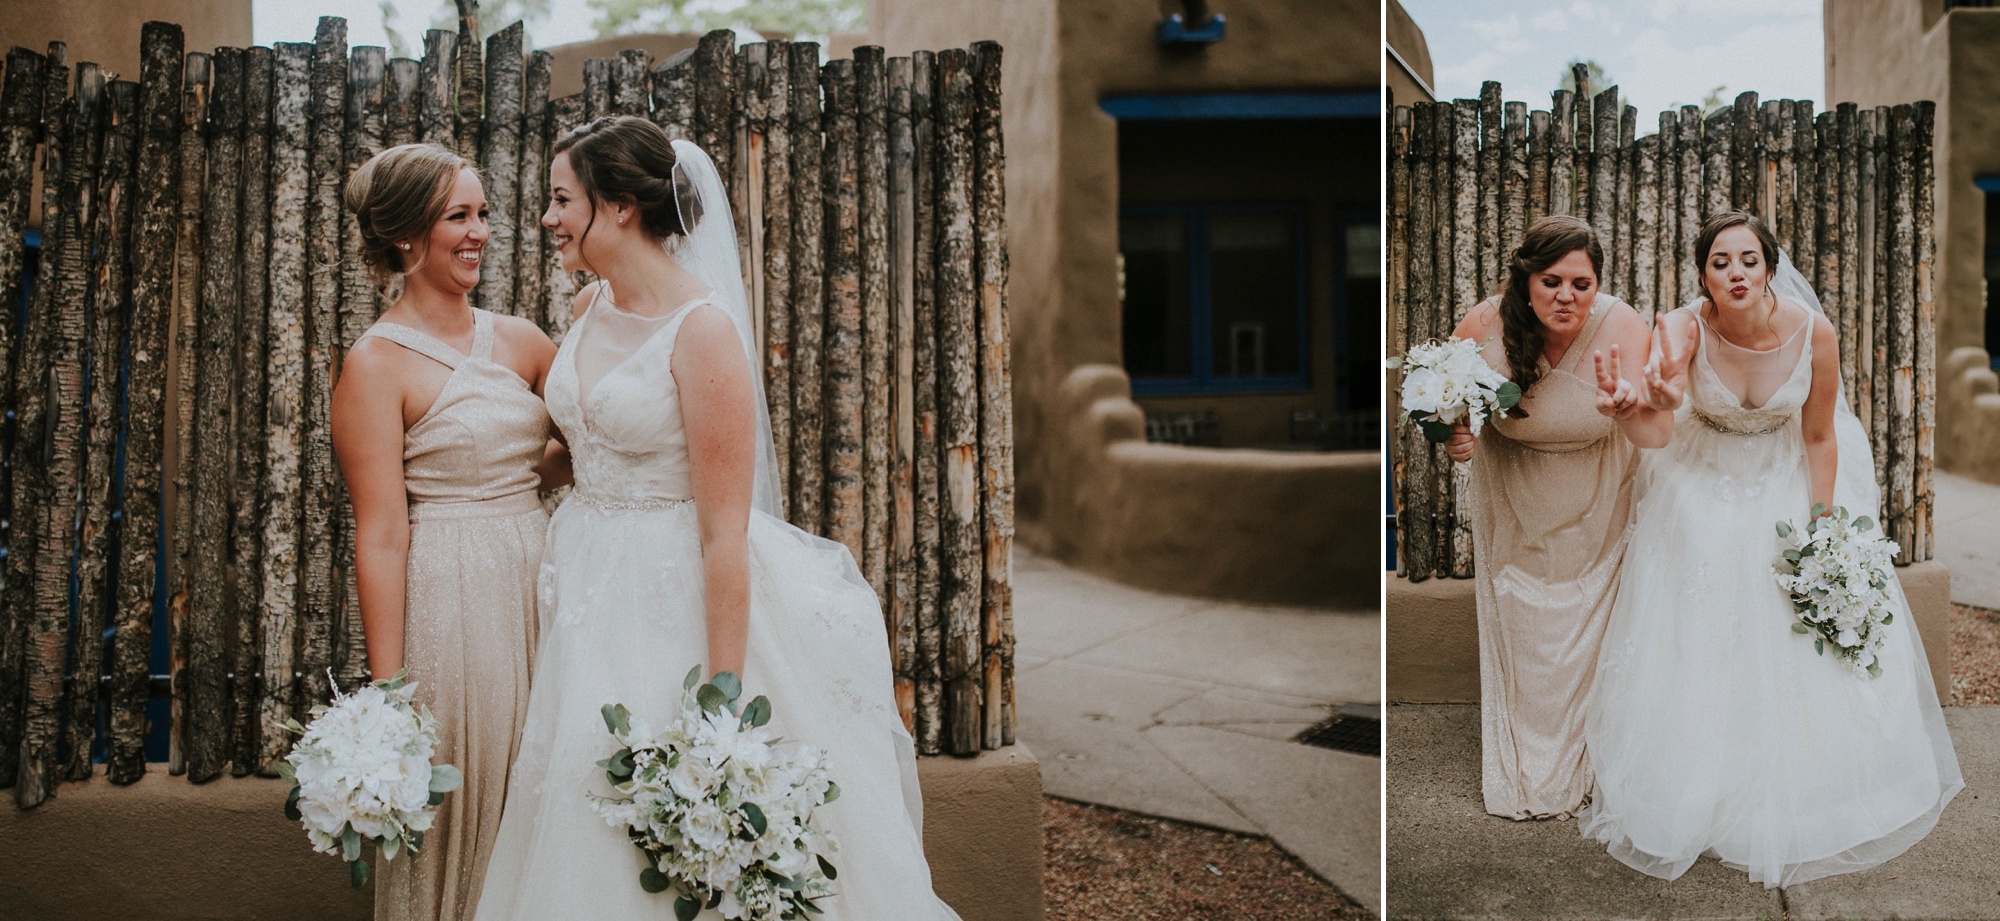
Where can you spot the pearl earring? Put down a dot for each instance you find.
(406, 246)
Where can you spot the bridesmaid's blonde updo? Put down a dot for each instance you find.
(396, 196)
(624, 158)
(1521, 332)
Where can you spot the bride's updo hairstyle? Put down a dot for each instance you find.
(396, 196)
(624, 158)
(1721, 221)
(1521, 332)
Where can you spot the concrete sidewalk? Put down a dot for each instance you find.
(1966, 522)
(1449, 859)
(1185, 708)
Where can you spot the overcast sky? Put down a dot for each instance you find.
(1660, 53)
(292, 21)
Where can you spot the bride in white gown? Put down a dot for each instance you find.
(1713, 728)
(667, 555)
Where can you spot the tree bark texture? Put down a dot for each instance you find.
(900, 602)
(323, 211)
(996, 393)
(631, 83)
(774, 72)
(596, 88)
(530, 282)
(958, 405)
(842, 349)
(247, 537)
(929, 667)
(20, 136)
(468, 79)
(182, 369)
(437, 92)
(673, 96)
(808, 500)
(499, 154)
(872, 148)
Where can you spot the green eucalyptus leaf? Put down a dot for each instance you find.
(758, 712)
(292, 806)
(1801, 628)
(1436, 433)
(350, 844)
(1509, 395)
(1793, 556)
(693, 678)
(357, 874)
(832, 791)
(711, 698)
(1888, 619)
(729, 684)
(392, 844)
(413, 841)
(617, 719)
(1874, 669)
(1819, 646)
(1863, 523)
(826, 867)
(437, 797)
(294, 726)
(1784, 529)
(685, 908)
(621, 764)
(1393, 363)
(652, 880)
(445, 778)
(1818, 509)
(755, 817)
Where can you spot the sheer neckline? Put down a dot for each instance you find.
(603, 293)
(1782, 344)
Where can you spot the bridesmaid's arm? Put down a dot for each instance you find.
(1643, 425)
(368, 440)
(1816, 416)
(719, 411)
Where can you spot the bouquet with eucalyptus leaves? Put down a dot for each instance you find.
(1446, 382)
(722, 808)
(361, 773)
(1838, 579)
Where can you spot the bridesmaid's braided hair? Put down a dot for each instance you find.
(630, 159)
(396, 196)
(1521, 332)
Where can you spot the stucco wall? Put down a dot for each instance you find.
(1063, 57)
(1888, 52)
(1407, 38)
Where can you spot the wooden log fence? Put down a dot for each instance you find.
(1849, 194)
(198, 280)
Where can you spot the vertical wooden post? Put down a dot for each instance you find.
(1848, 280)
(530, 282)
(842, 349)
(631, 83)
(400, 118)
(323, 210)
(499, 150)
(1885, 305)
(926, 543)
(1604, 177)
(468, 78)
(747, 191)
(182, 370)
(559, 287)
(1687, 139)
(1923, 181)
(1400, 123)
(596, 89)
(1715, 146)
(1514, 190)
(362, 138)
(59, 441)
(1743, 157)
(1538, 166)
(1899, 498)
(996, 392)
(285, 392)
(1468, 289)
(715, 100)
(1646, 226)
(203, 680)
(20, 130)
(673, 96)
(1805, 205)
(1584, 126)
(776, 94)
(1561, 147)
(1666, 256)
(1416, 521)
(253, 293)
(437, 93)
(1825, 277)
(809, 302)
(105, 339)
(1621, 206)
(1487, 268)
(1867, 200)
(157, 176)
(958, 404)
(872, 163)
(901, 601)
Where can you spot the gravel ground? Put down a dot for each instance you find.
(1975, 656)
(1108, 865)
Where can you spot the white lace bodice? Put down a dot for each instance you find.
(1736, 409)
(625, 437)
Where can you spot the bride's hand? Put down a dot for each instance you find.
(1616, 397)
(1665, 378)
(1459, 446)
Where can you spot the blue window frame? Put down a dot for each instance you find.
(1215, 298)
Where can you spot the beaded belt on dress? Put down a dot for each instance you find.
(517, 504)
(625, 503)
(1717, 425)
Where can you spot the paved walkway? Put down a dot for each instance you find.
(1448, 859)
(1185, 708)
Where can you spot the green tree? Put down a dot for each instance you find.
(795, 17)
(1595, 79)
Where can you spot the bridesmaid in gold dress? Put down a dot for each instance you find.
(1549, 497)
(444, 441)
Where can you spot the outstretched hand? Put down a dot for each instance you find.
(1665, 378)
(1616, 397)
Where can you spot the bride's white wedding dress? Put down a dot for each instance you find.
(1713, 727)
(623, 621)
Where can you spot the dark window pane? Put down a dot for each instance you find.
(1153, 249)
(1254, 286)
(1361, 305)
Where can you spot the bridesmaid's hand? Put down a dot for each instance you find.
(1459, 445)
(1665, 378)
(1616, 397)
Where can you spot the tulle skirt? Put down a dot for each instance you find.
(1713, 727)
(623, 622)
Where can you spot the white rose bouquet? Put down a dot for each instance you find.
(722, 809)
(1838, 579)
(362, 772)
(1447, 382)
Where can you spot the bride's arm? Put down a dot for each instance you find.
(1816, 417)
(368, 440)
(719, 411)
